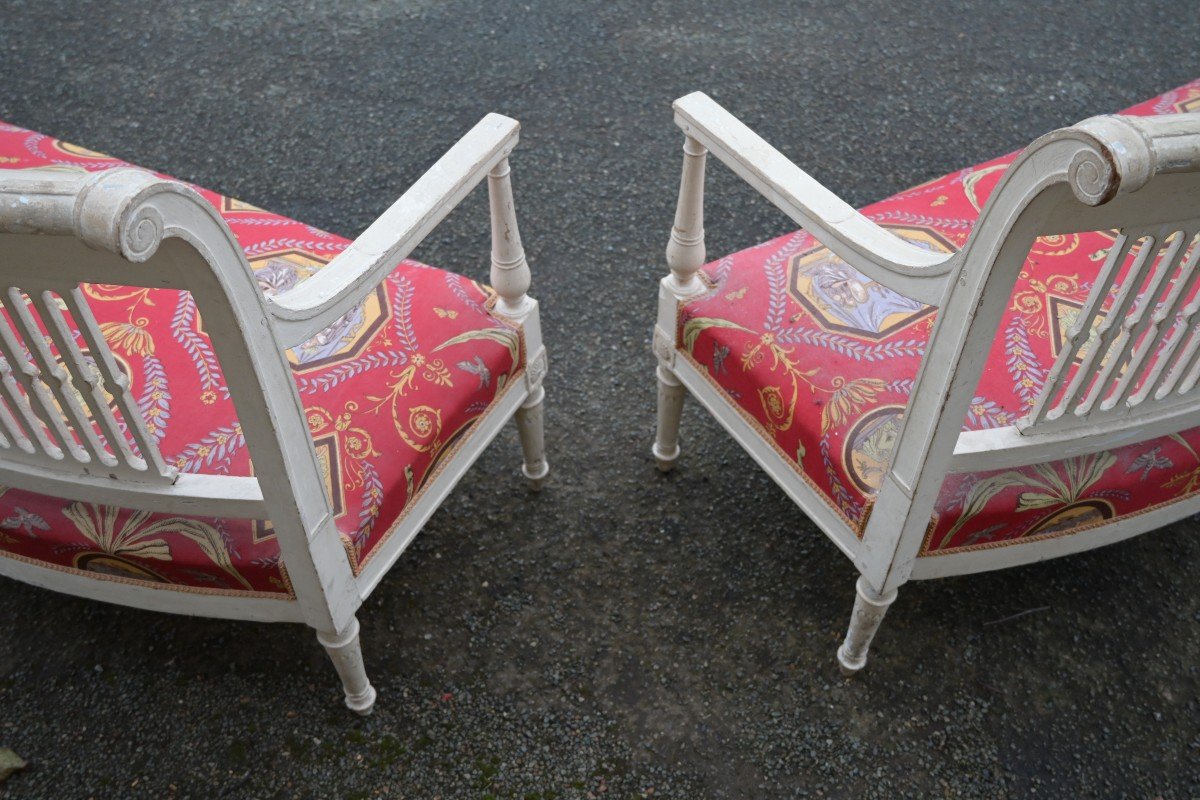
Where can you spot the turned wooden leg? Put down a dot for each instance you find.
(685, 256)
(346, 653)
(533, 443)
(670, 407)
(869, 608)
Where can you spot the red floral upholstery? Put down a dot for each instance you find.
(822, 360)
(389, 391)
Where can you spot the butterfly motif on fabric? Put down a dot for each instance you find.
(26, 521)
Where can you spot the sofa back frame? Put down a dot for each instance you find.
(1131, 173)
(127, 227)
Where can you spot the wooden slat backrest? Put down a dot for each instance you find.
(69, 424)
(1131, 354)
(1133, 347)
(61, 407)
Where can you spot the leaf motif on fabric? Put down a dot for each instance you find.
(848, 398)
(132, 338)
(1030, 500)
(1048, 488)
(196, 345)
(155, 402)
(505, 336)
(694, 327)
(139, 537)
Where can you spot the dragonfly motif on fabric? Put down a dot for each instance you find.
(479, 369)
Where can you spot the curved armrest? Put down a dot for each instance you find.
(343, 282)
(869, 248)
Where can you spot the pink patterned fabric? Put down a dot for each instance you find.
(822, 361)
(389, 391)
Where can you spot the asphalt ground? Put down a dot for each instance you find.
(622, 634)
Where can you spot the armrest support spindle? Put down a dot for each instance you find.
(510, 271)
(685, 250)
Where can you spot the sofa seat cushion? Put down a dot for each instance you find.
(389, 391)
(821, 360)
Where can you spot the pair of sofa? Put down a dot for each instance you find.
(208, 408)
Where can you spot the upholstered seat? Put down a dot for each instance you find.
(388, 391)
(822, 361)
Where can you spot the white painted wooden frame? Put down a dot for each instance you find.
(128, 227)
(1137, 174)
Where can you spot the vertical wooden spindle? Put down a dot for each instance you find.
(510, 271)
(511, 279)
(685, 256)
(685, 251)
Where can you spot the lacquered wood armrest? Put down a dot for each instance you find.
(318, 301)
(869, 248)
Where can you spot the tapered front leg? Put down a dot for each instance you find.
(533, 443)
(345, 651)
(869, 608)
(670, 407)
